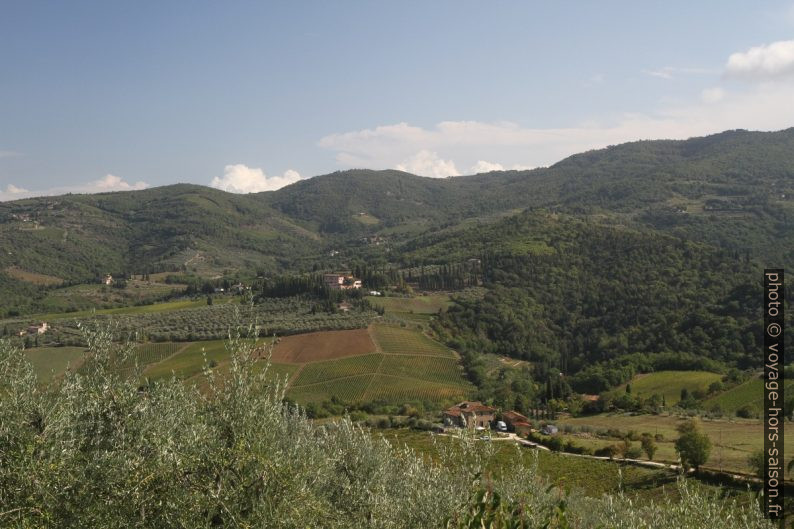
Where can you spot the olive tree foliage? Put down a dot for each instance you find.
(104, 448)
(99, 448)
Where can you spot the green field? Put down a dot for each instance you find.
(349, 389)
(411, 367)
(670, 383)
(190, 360)
(328, 370)
(732, 440)
(427, 368)
(748, 393)
(49, 362)
(398, 340)
(593, 478)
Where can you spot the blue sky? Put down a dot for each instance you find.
(249, 96)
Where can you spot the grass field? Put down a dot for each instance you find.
(748, 393)
(49, 362)
(670, 383)
(398, 340)
(591, 477)
(732, 440)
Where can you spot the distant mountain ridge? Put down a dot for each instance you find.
(732, 190)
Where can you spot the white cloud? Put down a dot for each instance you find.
(112, 183)
(13, 192)
(436, 150)
(485, 167)
(671, 72)
(240, 178)
(427, 163)
(712, 95)
(106, 184)
(763, 62)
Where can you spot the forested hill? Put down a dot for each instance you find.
(603, 302)
(734, 189)
(731, 191)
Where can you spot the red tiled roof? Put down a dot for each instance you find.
(469, 407)
(514, 417)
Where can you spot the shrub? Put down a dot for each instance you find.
(745, 412)
(97, 449)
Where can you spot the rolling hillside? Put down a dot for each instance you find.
(732, 190)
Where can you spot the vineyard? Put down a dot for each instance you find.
(411, 367)
(398, 340)
(316, 346)
(190, 360)
(318, 372)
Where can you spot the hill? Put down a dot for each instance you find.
(731, 190)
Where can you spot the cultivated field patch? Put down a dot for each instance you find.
(189, 361)
(398, 389)
(50, 362)
(429, 304)
(748, 393)
(670, 383)
(426, 368)
(348, 389)
(732, 440)
(332, 369)
(392, 339)
(317, 346)
(32, 277)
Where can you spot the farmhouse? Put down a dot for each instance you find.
(472, 414)
(107, 280)
(39, 328)
(339, 281)
(516, 422)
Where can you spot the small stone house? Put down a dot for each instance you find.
(469, 414)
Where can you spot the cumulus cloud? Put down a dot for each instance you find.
(112, 183)
(240, 178)
(763, 62)
(485, 167)
(106, 184)
(439, 149)
(426, 163)
(13, 192)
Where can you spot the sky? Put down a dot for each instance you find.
(251, 96)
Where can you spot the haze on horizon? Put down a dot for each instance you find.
(250, 97)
